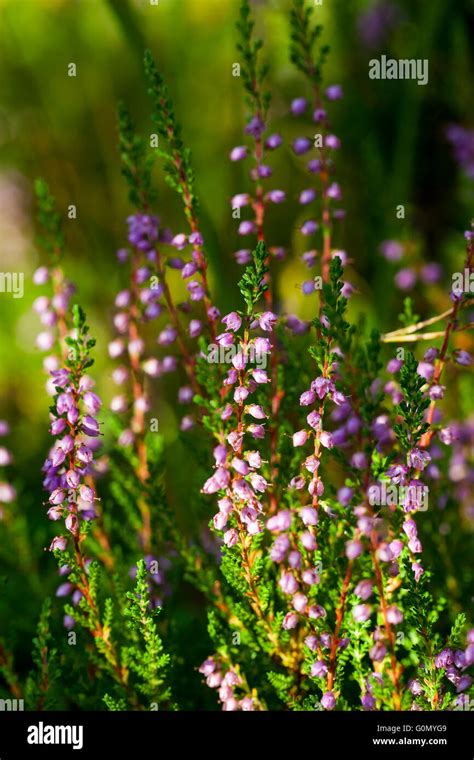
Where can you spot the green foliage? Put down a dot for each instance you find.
(145, 657)
(305, 36)
(413, 406)
(253, 74)
(137, 163)
(179, 173)
(40, 684)
(52, 237)
(252, 285)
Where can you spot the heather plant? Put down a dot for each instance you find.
(324, 471)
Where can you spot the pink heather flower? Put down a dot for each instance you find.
(254, 459)
(267, 321)
(321, 386)
(308, 541)
(240, 200)
(214, 680)
(7, 493)
(58, 542)
(354, 549)
(332, 142)
(258, 482)
(86, 493)
(310, 577)
(41, 276)
(240, 466)
(309, 515)
(45, 341)
(262, 345)
(288, 583)
(232, 321)
(396, 547)
(364, 589)
(195, 328)
(328, 700)
(260, 376)
(220, 520)
(231, 537)
(316, 611)
(290, 621)
(239, 361)
(300, 438)
(208, 667)
(257, 431)
(297, 482)
(256, 411)
(116, 348)
(242, 489)
(240, 394)
(247, 228)
(307, 398)
(299, 602)
(225, 339)
(318, 669)
(394, 615)
(311, 642)
(361, 612)
(384, 553)
(405, 279)
(119, 404)
(247, 704)
(326, 440)
(313, 419)
(279, 522)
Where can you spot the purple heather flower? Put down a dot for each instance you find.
(328, 700)
(318, 669)
(394, 615)
(462, 357)
(300, 438)
(276, 196)
(332, 142)
(247, 228)
(431, 273)
(238, 153)
(392, 250)
(279, 522)
(307, 196)
(405, 279)
(273, 141)
(302, 145)
(444, 658)
(334, 92)
(364, 589)
(298, 106)
(378, 652)
(354, 549)
(309, 227)
(255, 127)
(418, 459)
(361, 612)
(368, 701)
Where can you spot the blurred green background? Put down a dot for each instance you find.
(394, 151)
